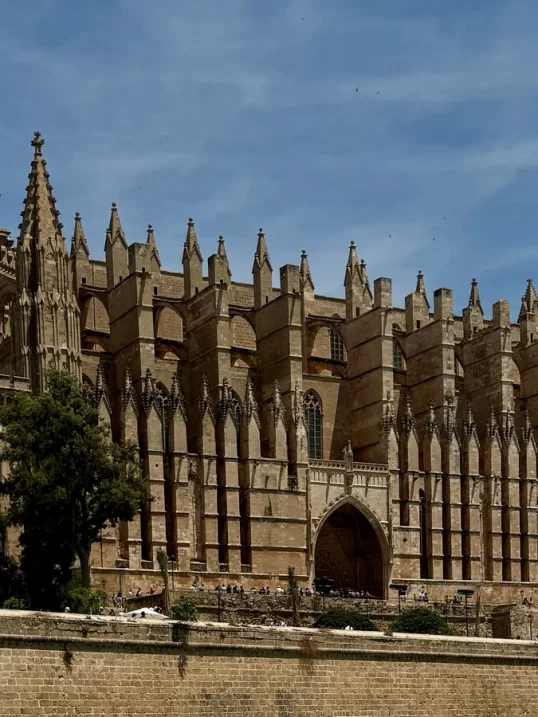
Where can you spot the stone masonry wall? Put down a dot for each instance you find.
(66, 665)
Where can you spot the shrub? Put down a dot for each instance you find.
(12, 603)
(422, 621)
(338, 619)
(86, 600)
(185, 610)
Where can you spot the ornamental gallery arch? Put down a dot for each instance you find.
(351, 550)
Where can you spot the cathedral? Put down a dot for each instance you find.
(347, 438)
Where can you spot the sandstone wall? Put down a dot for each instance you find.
(69, 665)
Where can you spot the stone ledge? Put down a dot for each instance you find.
(49, 629)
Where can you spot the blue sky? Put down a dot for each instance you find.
(409, 126)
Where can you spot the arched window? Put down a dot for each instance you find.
(337, 345)
(312, 407)
(397, 357)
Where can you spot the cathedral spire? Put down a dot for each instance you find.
(151, 242)
(473, 314)
(261, 256)
(358, 293)
(304, 273)
(192, 262)
(528, 301)
(530, 295)
(421, 287)
(262, 272)
(40, 223)
(191, 243)
(115, 231)
(474, 298)
(46, 327)
(78, 242)
(352, 266)
(524, 308)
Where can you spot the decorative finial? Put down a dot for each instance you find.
(37, 142)
(351, 243)
(191, 221)
(77, 217)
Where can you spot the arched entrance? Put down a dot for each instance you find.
(348, 551)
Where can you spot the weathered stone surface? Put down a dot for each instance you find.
(56, 665)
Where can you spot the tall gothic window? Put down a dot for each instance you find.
(312, 407)
(337, 345)
(397, 357)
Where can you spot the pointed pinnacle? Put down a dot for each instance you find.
(151, 236)
(221, 251)
(114, 226)
(353, 259)
(524, 311)
(530, 296)
(261, 255)
(191, 242)
(40, 216)
(474, 297)
(304, 271)
(78, 241)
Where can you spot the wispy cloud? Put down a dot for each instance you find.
(407, 127)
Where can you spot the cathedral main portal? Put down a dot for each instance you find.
(349, 553)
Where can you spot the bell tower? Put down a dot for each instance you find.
(46, 315)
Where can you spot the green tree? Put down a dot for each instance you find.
(67, 480)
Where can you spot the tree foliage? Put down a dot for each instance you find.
(86, 600)
(340, 618)
(67, 482)
(11, 580)
(185, 611)
(423, 621)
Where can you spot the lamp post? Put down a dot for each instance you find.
(323, 587)
(466, 594)
(401, 589)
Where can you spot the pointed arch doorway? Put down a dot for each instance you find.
(348, 551)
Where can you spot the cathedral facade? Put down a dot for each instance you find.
(344, 437)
